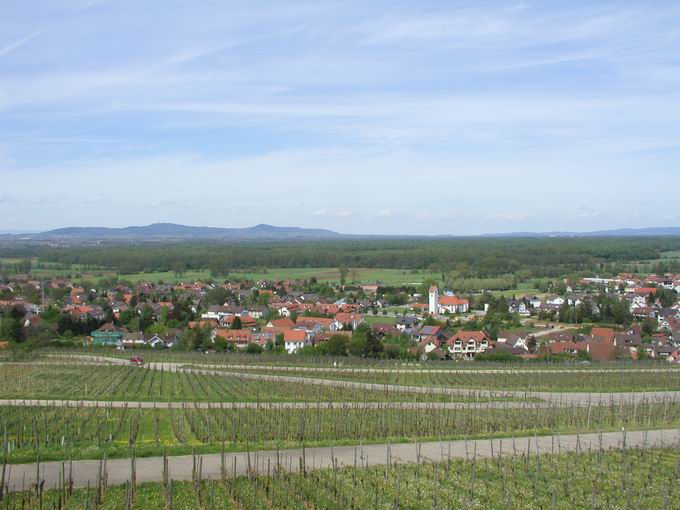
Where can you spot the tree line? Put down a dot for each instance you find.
(464, 257)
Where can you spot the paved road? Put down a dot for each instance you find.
(150, 469)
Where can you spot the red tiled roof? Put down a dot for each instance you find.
(560, 347)
(324, 322)
(452, 301)
(464, 336)
(284, 323)
(607, 334)
(235, 335)
(294, 335)
(346, 318)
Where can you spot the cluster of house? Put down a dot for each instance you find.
(111, 335)
(306, 329)
(603, 344)
(638, 293)
(284, 311)
(434, 341)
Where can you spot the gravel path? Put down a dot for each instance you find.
(84, 472)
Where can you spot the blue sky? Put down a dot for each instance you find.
(395, 117)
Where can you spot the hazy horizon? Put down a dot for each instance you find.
(475, 234)
(448, 118)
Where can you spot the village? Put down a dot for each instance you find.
(599, 319)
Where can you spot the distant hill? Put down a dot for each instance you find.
(174, 232)
(622, 232)
(171, 231)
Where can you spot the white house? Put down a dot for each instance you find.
(468, 343)
(295, 339)
(555, 300)
(429, 344)
(216, 312)
(638, 302)
(406, 323)
(518, 340)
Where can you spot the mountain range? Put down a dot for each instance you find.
(174, 232)
(621, 232)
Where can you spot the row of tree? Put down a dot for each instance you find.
(463, 258)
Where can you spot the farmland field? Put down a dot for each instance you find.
(596, 378)
(120, 383)
(615, 376)
(186, 406)
(643, 479)
(523, 380)
(59, 433)
(330, 274)
(327, 274)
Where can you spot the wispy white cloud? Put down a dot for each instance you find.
(378, 116)
(14, 45)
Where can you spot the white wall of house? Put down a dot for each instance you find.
(292, 347)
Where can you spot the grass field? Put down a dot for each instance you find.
(329, 274)
(640, 479)
(379, 319)
(665, 256)
(359, 275)
(363, 276)
(523, 289)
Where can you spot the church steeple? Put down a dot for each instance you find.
(433, 306)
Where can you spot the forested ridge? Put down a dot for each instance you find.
(470, 257)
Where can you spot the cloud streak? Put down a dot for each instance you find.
(15, 45)
(359, 116)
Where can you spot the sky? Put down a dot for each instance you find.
(380, 117)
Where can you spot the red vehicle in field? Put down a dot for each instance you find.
(136, 360)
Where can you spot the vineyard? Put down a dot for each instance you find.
(116, 382)
(322, 363)
(611, 377)
(553, 380)
(61, 433)
(630, 478)
(107, 410)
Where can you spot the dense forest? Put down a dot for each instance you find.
(466, 257)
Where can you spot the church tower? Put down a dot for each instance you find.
(433, 308)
